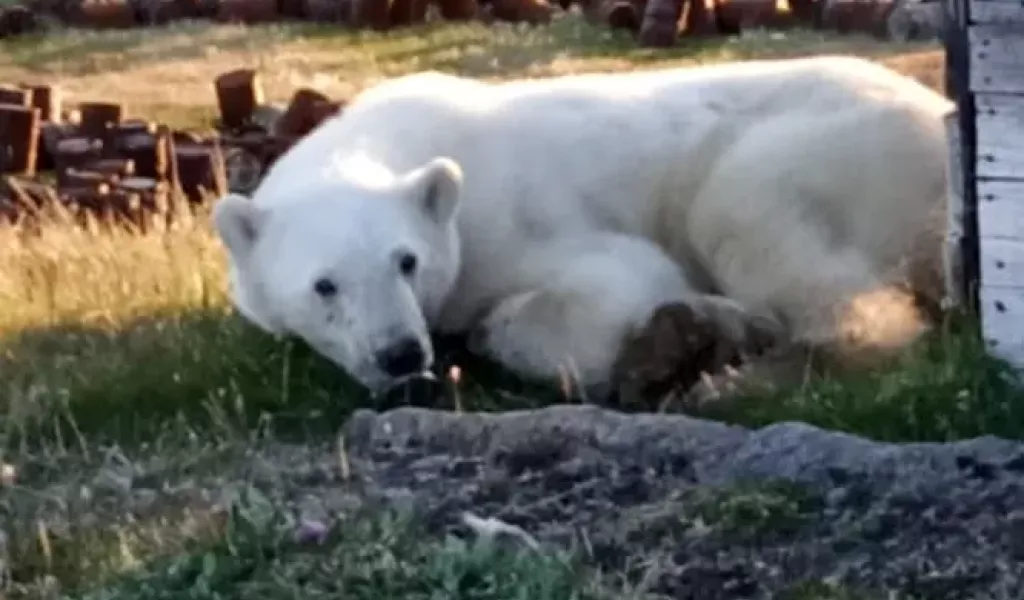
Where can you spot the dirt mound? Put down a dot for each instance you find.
(705, 510)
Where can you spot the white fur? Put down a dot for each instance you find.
(582, 203)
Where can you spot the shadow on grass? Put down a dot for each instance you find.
(211, 371)
(947, 387)
(201, 370)
(198, 368)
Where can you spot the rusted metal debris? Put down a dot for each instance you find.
(93, 158)
(655, 23)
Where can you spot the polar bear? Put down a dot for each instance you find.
(548, 218)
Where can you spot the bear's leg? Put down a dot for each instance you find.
(553, 333)
(770, 256)
(783, 365)
(573, 322)
(832, 224)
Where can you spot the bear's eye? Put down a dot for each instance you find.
(407, 264)
(325, 288)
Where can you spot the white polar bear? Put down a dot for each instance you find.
(550, 217)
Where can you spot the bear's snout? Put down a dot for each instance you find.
(405, 357)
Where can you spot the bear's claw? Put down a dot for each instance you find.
(683, 343)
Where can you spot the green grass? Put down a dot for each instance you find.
(948, 387)
(253, 549)
(368, 557)
(215, 372)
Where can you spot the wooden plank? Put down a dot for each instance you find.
(957, 51)
(952, 257)
(1000, 135)
(997, 58)
(1002, 262)
(1002, 322)
(1001, 209)
(996, 12)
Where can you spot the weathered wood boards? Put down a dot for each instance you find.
(953, 260)
(1000, 123)
(997, 54)
(996, 12)
(995, 43)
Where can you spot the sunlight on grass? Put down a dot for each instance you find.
(104, 277)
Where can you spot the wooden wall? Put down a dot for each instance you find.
(985, 43)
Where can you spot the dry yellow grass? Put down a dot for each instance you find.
(65, 274)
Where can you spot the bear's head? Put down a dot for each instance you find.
(356, 266)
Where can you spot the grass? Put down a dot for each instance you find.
(262, 554)
(124, 345)
(947, 388)
(252, 549)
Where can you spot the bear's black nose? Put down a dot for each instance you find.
(404, 357)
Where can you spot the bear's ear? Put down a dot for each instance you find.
(437, 187)
(237, 221)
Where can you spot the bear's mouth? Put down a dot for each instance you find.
(411, 389)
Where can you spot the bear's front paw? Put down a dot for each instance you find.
(747, 334)
(684, 342)
(670, 352)
(721, 387)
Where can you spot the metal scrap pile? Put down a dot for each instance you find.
(363, 14)
(93, 160)
(660, 23)
(655, 22)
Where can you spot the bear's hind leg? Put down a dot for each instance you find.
(574, 321)
(552, 334)
(771, 258)
(825, 222)
(579, 300)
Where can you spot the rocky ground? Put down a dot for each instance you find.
(684, 508)
(704, 510)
